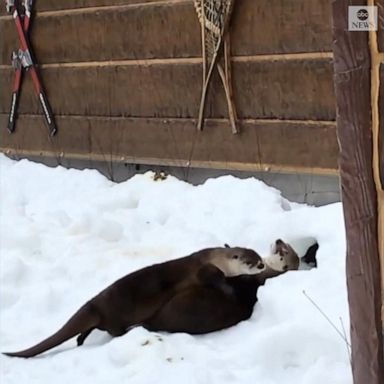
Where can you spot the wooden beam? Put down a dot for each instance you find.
(352, 64)
(381, 122)
(376, 89)
(167, 29)
(51, 7)
(281, 146)
(380, 32)
(186, 60)
(291, 89)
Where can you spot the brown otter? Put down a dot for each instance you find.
(135, 298)
(205, 308)
(283, 258)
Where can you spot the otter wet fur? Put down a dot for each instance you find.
(205, 308)
(202, 308)
(135, 298)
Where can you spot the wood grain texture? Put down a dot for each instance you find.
(353, 96)
(162, 30)
(380, 31)
(51, 6)
(115, 70)
(294, 89)
(170, 29)
(381, 124)
(262, 145)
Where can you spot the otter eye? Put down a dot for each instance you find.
(235, 256)
(281, 258)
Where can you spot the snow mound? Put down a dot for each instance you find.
(67, 234)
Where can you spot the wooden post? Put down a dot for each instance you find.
(357, 86)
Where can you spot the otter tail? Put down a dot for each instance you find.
(83, 321)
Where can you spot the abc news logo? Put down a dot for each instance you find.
(361, 18)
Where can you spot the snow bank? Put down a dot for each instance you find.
(67, 234)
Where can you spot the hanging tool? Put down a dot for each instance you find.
(23, 59)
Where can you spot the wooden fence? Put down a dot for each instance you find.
(124, 79)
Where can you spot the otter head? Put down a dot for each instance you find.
(283, 257)
(241, 261)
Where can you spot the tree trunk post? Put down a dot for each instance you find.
(357, 85)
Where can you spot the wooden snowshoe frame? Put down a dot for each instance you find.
(214, 17)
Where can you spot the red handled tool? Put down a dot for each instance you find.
(23, 59)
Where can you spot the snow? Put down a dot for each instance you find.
(67, 234)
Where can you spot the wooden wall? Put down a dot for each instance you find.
(359, 79)
(124, 81)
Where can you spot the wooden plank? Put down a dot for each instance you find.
(292, 89)
(380, 30)
(262, 145)
(50, 6)
(171, 29)
(281, 26)
(354, 128)
(381, 124)
(161, 30)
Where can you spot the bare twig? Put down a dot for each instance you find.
(347, 345)
(328, 319)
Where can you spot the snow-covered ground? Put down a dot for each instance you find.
(67, 234)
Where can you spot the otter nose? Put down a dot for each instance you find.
(285, 268)
(260, 266)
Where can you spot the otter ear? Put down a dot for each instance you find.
(226, 245)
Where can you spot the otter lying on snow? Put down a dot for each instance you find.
(203, 308)
(136, 298)
(207, 291)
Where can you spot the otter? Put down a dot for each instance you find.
(205, 308)
(136, 298)
(283, 258)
